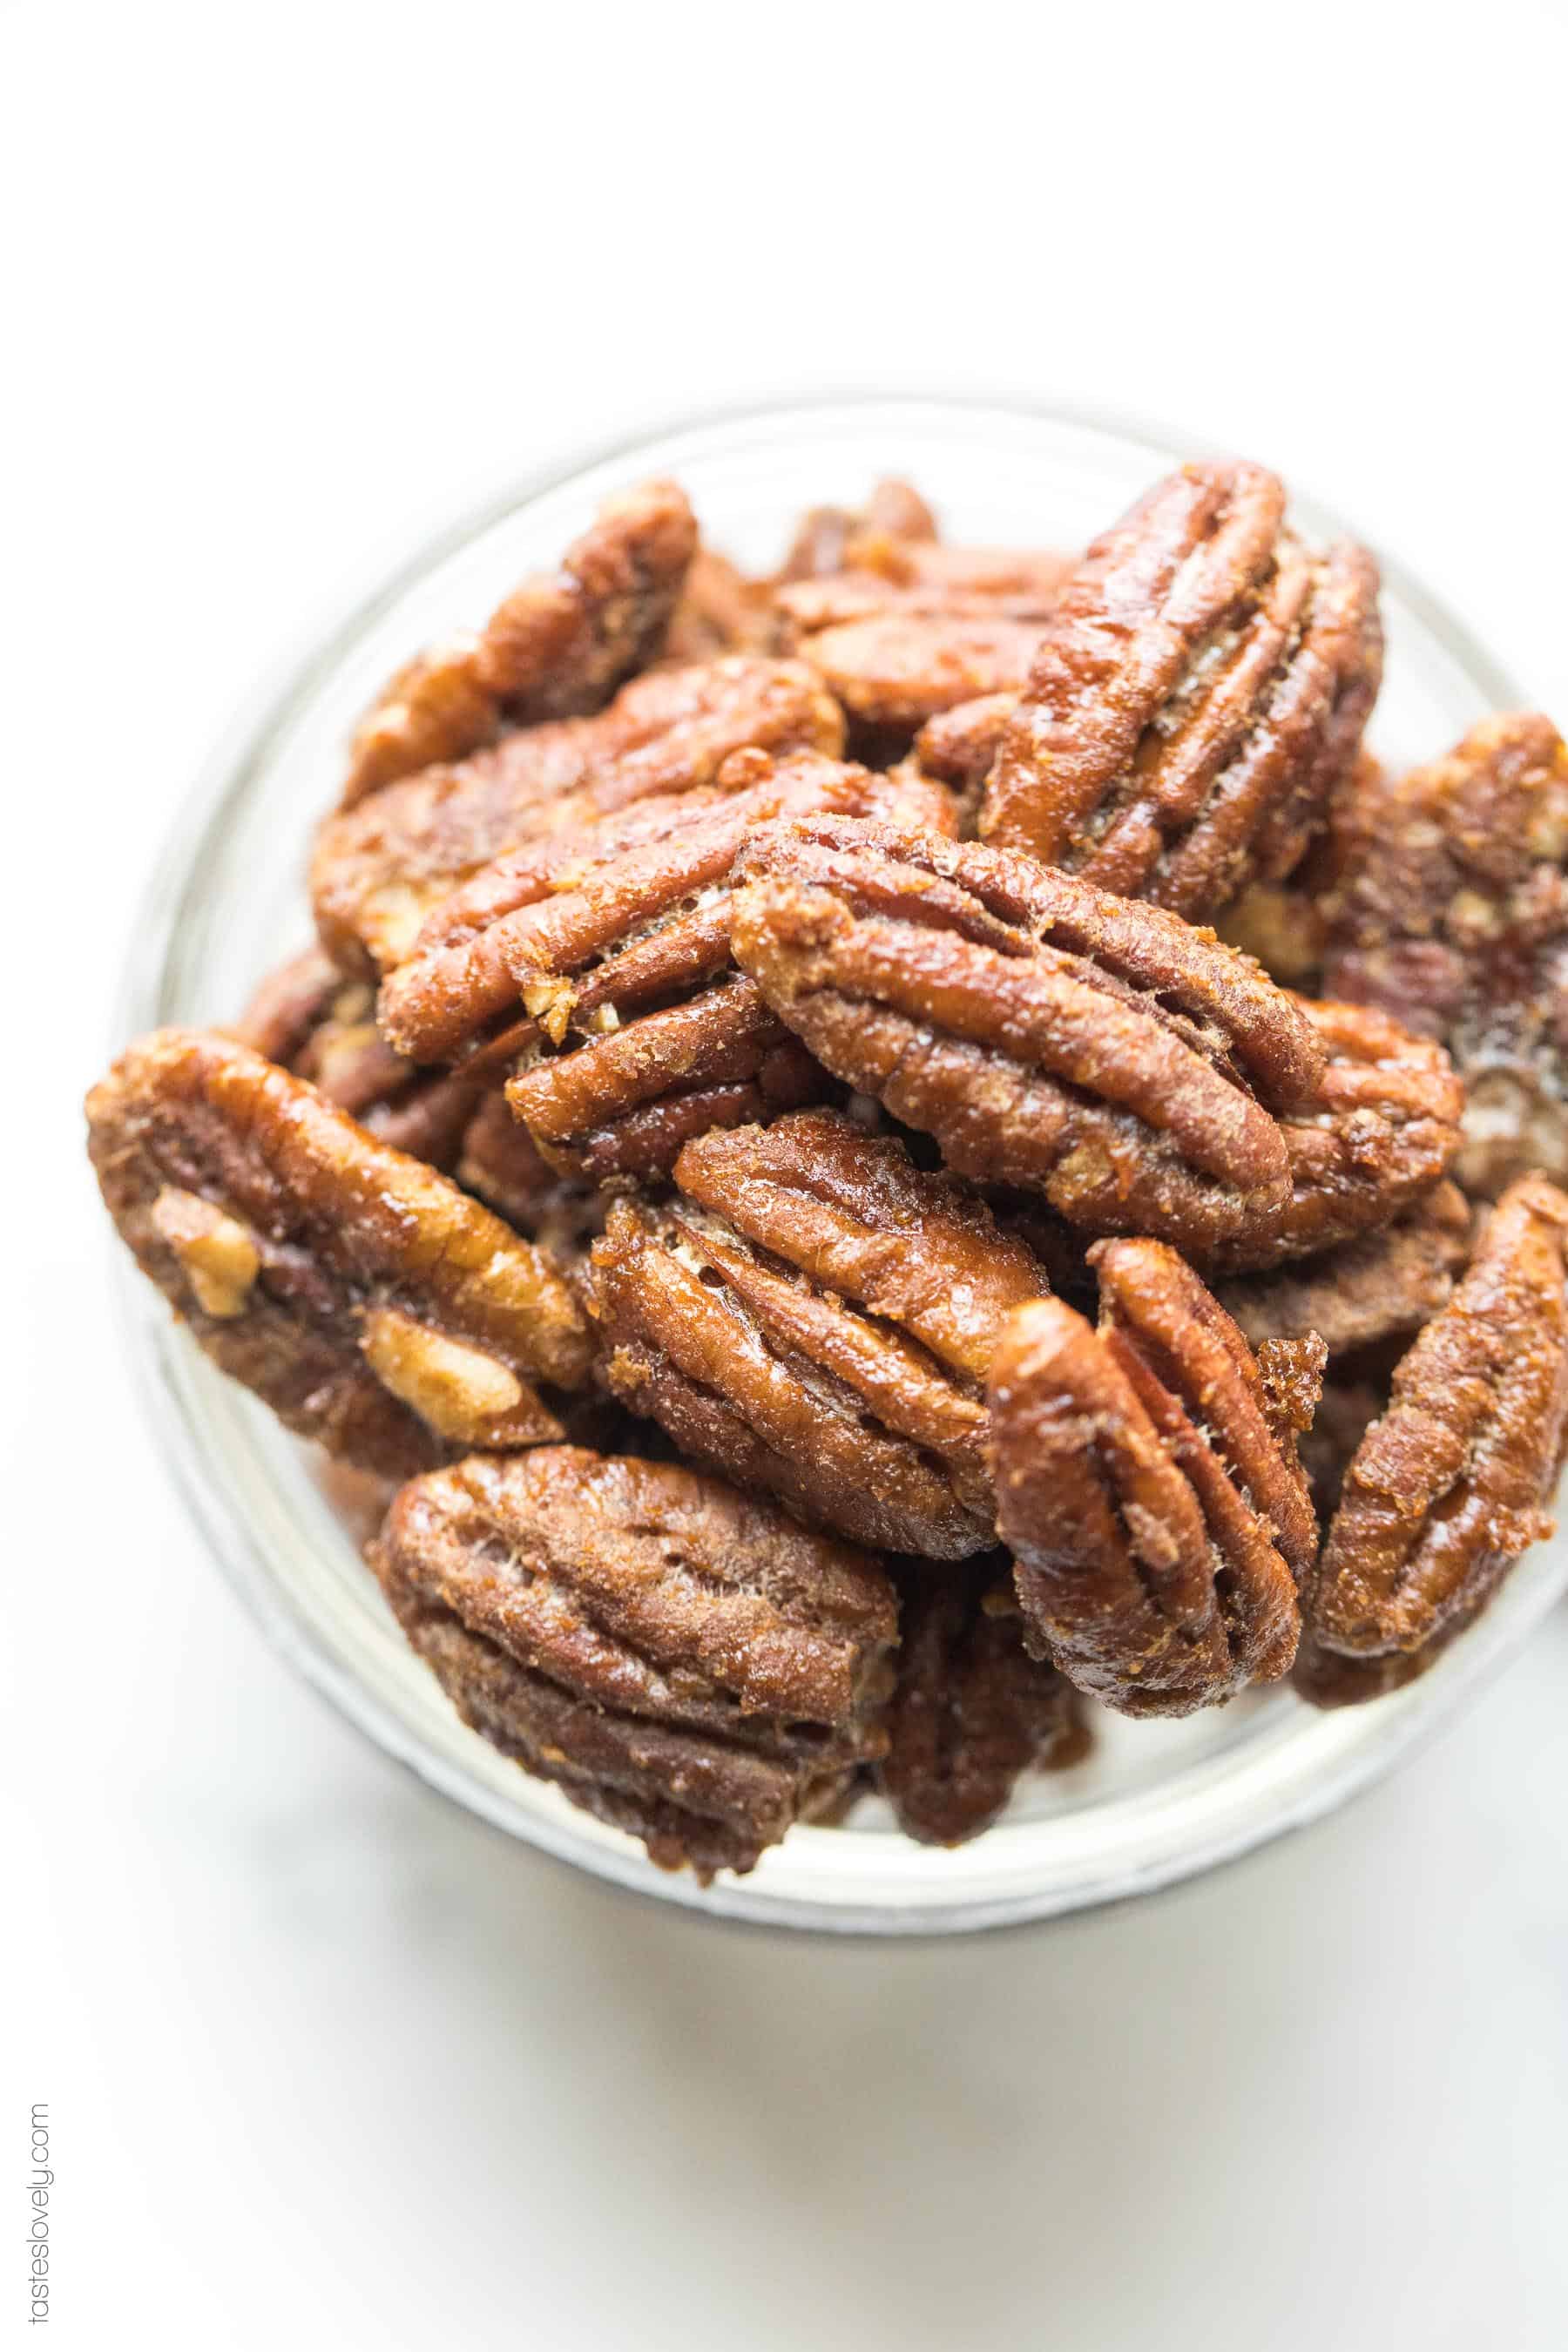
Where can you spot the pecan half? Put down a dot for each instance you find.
(684, 1663)
(1047, 1035)
(1450, 1486)
(832, 538)
(1376, 1136)
(1148, 1486)
(368, 1301)
(972, 1711)
(607, 951)
(893, 669)
(815, 1317)
(379, 870)
(558, 646)
(1200, 687)
(721, 611)
(1380, 1286)
(1449, 910)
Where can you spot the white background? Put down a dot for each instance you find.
(328, 2063)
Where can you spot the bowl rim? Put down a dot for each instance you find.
(1393, 1730)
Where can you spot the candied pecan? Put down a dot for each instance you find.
(368, 1301)
(557, 648)
(815, 1317)
(958, 746)
(1449, 1486)
(1376, 1288)
(828, 538)
(1148, 1486)
(1199, 689)
(1448, 908)
(893, 670)
(720, 612)
(609, 953)
(499, 1162)
(1376, 1136)
(971, 1710)
(683, 1663)
(1049, 1036)
(378, 870)
(931, 582)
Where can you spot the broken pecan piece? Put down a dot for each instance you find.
(684, 1663)
(1376, 1136)
(815, 1317)
(831, 539)
(379, 870)
(972, 1711)
(369, 1302)
(557, 648)
(1149, 1488)
(1048, 1036)
(1199, 689)
(609, 953)
(1379, 1286)
(1449, 910)
(1450, 1486)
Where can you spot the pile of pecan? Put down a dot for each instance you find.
(878, 1154)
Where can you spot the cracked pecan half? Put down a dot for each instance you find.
(379, 870)
(685, 1664)
(1149, 1488)
(972, 1711)
(1049, 1036)
(1377, 1136)
(815, 1317)
(606, 955)
(367, 1300)
(1450, 1485)
(1449, 910)
(557, 648)
(1200, 689)
(1382, 1286)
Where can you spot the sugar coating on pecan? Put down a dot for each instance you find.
(1148, 1487)
(558, 646)
(815, 1317)
(1048, 1036)
(1378, 1135)
(1448, 908)
(1200, 687)
(378, 870)
(683, 1663)
(367, 1300)
(972, 1711)
(1450, 1485)
(1378, 1286)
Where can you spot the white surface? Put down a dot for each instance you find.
(328, 2065)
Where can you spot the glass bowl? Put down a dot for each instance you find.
(1154, 1803)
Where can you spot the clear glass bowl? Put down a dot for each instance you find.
(1155, 1803)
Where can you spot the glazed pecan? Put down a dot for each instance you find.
(1449, 1486)
(607, 953)
(893, 669)
(1047, 1035)
(684, 1663)
(368, 1301)
(1376, 1136)
(815, 1317)
(972, 1711)
(1148, 1487)
(558, 646)
(1380, 1286)
(835, 539)
(922, 581)
(1448, 908)
(958, 747)
(721, 611)
(1199, 689)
